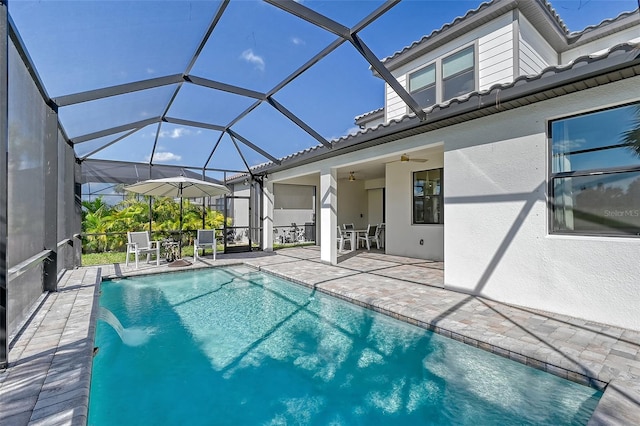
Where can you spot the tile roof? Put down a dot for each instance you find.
(630, 53)
(375, 111)
(494, 4)
(604, 23)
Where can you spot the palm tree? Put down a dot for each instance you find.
(631, 137)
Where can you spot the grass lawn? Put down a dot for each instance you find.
(91, 259)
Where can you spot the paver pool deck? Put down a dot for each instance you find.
(49, 374)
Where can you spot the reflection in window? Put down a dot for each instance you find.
(427, 197)
(422, 85)
(458, 76)
(596, 172)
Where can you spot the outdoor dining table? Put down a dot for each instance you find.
(353, 236)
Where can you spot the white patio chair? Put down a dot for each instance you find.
(348, 226)
(369, 236)
(140, 243)
(205, 238)
(379, 237)
(342, 239)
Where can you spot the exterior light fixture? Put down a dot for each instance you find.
(351, 177)
(246, 181)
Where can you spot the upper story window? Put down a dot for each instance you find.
(422, 85)
(444, 79)
(458, 74)
(427, 197)
(595, 172)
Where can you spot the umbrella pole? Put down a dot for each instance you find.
(180, 233)
(180, 261)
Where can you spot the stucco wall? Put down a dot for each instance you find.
(496, 238)
(403, 238)
(375, 206)
(353, 206)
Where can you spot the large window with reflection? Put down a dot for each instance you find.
(595, 172)
(427, 197)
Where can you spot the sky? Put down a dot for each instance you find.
(84, 45)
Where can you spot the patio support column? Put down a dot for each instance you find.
(267, 216)
(50, 213)
(4, 175)
(328, 216)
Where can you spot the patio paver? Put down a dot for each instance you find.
(49, 374)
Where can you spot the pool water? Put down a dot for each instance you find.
(237, 347)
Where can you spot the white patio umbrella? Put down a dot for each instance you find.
(178, 187)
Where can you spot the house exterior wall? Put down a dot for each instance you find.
(535, 53)
(497, 241)
(495, 56)
(240, 208)
(395, 106)
(353, 206)
(403, 238)
(494, 44)
(375, 206)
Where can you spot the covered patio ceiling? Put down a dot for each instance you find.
(213, 87)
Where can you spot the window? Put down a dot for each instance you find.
(427, 197)
(444, 79)
(458, 76)
(422, 85)
(595, 172)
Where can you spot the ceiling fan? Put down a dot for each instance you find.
(404, 158)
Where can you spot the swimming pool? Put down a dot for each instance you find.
(234, 346)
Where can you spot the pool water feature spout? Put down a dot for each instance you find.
(133, 336)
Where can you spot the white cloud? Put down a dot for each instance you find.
(568, 145)
(151, 71)
(176, 133)
(353, 130)
(350, 131)
(164, 156)
(297, 41)
(252, 58)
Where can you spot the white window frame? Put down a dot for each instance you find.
(438, 69)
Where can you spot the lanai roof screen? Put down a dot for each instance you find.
(221, 86)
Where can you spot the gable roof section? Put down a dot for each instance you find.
(619, 62)
(608, 26)
(539, 12)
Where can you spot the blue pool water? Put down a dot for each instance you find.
(236, 347)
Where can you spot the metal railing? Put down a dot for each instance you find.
(27, 264)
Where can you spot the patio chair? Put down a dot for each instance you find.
(369, 236)
(205, 238)
(140, 243)
(379, 237)
(342, 239)
(348, 226)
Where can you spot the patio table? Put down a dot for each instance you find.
(170, 250)
(353, 236)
